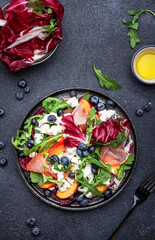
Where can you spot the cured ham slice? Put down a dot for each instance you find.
(113, 156)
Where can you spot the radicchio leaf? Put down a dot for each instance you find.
(40, 111)
(24, 161)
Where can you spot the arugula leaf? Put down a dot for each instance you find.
(125, 166)
(86, 96)
(101, 177)
(121, 137)
(63, 168)
(53, 104)
(39, 8)
(133, 26)
(105, 81)
(51, 28)
(84, 183)
(42, 145)
(99, 163)
(40, 179)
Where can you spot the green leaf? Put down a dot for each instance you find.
(101, 177)
(40, 179)
(53, 104)
(90, 123)
(105, 81)
(51, 28)
(134, 26)
(131, 12)
(125, 166)
(134, 39)
(86, 96)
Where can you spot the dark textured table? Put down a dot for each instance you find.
(92, 32)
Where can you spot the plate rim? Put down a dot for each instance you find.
(89, 207)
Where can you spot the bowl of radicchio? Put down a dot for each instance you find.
(76, 149)
(30, 32)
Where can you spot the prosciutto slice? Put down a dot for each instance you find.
(113, 156)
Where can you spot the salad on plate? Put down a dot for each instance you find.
(75, 149)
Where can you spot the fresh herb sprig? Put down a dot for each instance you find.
(63, 168)
(40, 179)
(125, 166)
(53, 104)
(133, 26)
(39, 8)
(105, 81)
(51, 28)
(90, 122)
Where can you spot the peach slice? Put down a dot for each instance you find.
(102, 188)
(47, 185)
(69, 192)
(115, 168)
(57, 148)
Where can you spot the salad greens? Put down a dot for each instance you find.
(51, 28)
(133, 26)
(40, 179)
(86, 96)
(105, 81)
(53, 104)
(125, 166)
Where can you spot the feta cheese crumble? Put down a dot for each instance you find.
(73, 102)
(106, 114)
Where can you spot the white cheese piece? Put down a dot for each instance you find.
(87, 171)
(44, 120)
(55, 129)
(2, 22)
(33, 154)
(113, 171)
(65, 186)
(106, 114)
(71, 151)
(60, 176)
(83, 190)
(70, 180)
(117, 182)
(44, 129)
(38, 138)
(75, 160)
(108, 183)
(73, 102)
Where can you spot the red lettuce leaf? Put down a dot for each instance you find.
(40, 111)
(1, 14)
(16, 6)
(32, 133)
(71, 142)
(24, 161)
(56, 6)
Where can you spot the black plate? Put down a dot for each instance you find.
(97, 201)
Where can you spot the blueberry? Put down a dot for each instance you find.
(54, 158)
(31, 221)
(30, 143)
(71, 175)
(84, 203)
(108, 193)
(60, 112)
(91, 149)
(34, 122)
(65, 161)
(2, 145)
(82, 146)
(73, 93)
(47, 193)
(94, 170)
(85, 153)
(147, 107)
(110, 104)
(22, 83)
(94, 100)
(100, 106)
(21, 154)
(79, 198)
(94, 166)
(27, 89)
(36, 231)
(51, 119)
(79, 152)
(3, 162)
(139, 112)
(19, 95)
(1, 112)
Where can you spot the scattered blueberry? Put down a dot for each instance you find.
(22, 83)
(27, 89)
(85, 153)
(3, 162)
(19, 95)
(1, 112)
(79, 152)
(65, 161)
(139, 112)
(21, 154)
(60, 112)
(147, 107)
(108, 193)
(110, 104)
(47, 193)
(34, 122)
(71, 175)
(51, 119)
(82, 146)
(73, 93)
(31, 221)
(30, 143)
(91, 149)
(79, 198)
(94, 100)
(84, 203)
(100, 106)
(54, 158)
(36, 231)
(2, 145)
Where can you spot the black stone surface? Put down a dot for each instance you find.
(92, 32)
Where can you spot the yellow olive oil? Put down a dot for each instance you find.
(146, 66)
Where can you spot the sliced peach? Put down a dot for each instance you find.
(111, 161)
(36, 164)
(57, 148)
(47, 185)
(115, 168)
(69, 192)
(102, 188)
(47, 150)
